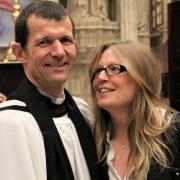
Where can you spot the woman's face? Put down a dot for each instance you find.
(116, 91)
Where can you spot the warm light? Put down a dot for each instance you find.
(15, 9)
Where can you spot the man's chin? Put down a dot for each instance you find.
(60, 81)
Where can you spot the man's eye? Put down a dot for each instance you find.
(44, 42)
(67, 41)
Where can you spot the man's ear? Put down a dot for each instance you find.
(75, 44)
(18, 52)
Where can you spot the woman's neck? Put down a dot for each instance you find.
(120, 120)
(120, 125)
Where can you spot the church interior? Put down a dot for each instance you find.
(153, 22)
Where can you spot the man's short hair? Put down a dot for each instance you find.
(43, 9)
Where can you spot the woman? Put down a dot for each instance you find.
(137, 136)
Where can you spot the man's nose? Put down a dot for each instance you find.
(57, 49)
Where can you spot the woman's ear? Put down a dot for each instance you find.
(18, 52)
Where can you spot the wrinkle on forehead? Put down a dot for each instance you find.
(40, 27)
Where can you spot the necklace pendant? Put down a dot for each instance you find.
(123, 146)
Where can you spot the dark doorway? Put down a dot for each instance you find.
(174, 53)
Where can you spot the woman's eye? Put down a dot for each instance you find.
(97, 71)
(115, 68)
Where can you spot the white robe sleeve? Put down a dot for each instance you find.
(22, 153)
(86, 112)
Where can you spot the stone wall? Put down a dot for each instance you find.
(95, 24)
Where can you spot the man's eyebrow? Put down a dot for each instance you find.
(44, 37)
(67, 36)
(41, 38)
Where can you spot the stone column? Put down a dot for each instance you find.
(128, 21)
(164, 40)
(143, 21)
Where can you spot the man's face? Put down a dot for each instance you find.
(50, 52)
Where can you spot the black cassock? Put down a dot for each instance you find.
(57, 162)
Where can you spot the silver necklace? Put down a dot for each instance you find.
(123, 146)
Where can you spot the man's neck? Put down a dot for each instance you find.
(55, 100)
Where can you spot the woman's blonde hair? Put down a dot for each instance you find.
(148, 124)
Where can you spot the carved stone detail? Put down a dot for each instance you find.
(87, 8)
(89, 33)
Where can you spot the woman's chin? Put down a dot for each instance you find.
(104, 104)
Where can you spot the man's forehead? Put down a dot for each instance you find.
(43, 28)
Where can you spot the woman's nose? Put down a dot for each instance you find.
(103, 75)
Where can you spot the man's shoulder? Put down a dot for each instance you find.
(80, 101)
(82, 105)
(12, 108)
(14, 115)
(86, 110)
(10, 104)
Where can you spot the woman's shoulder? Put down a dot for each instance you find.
(175, 145)
(175, 119)
(171, 138)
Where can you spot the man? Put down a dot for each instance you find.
(43, 133)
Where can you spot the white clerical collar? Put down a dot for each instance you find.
(54, 100)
